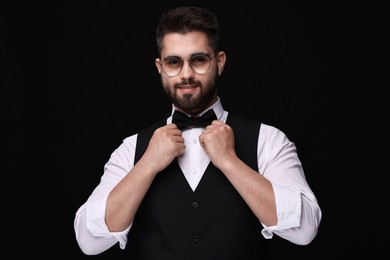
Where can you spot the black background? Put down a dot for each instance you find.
(77, 77)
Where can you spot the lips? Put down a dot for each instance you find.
(187, 87)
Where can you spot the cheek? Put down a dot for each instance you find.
(167, 84)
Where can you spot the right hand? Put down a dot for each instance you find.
(165, 145)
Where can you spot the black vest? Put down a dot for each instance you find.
(211, 223)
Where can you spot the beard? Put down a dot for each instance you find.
(191, 103)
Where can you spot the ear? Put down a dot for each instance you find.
(221, 60)
(158, 65)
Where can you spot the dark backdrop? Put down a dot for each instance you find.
(77, 77)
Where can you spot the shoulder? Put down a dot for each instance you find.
(272, 141)
(272, 133)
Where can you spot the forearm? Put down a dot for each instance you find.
(256, 190)
(124, 200)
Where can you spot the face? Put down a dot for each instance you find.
(189, 91)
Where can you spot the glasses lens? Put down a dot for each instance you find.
(172, 66)
(200, 63)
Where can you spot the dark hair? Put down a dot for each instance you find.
(186, 19)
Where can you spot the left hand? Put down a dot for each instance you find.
(218, 142)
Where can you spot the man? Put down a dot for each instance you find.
(213, 188)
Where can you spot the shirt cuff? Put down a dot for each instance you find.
(95, 220)
(288, 210)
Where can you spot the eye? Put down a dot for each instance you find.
(173, 62)
(199, 59)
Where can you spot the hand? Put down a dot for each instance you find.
(218, 142)
(165, 145)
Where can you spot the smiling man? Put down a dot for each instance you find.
(204, 183)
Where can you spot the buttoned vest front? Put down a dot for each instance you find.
(213, 222)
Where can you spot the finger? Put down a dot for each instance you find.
(171, 126)
(179, 139)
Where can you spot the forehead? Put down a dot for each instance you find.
(183, 45)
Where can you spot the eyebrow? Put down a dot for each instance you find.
(192, 55)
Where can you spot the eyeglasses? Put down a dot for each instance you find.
(173, 65)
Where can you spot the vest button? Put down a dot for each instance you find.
(195, 204)
(196, 238)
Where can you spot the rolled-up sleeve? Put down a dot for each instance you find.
(298, 211)
(92, 233)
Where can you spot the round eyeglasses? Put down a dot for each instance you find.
(173, 65)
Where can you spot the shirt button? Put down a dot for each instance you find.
(196, 237)
(195, 204)
(195, 141)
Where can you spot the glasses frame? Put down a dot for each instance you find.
(189, 63)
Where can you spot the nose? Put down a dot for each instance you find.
(186, 71)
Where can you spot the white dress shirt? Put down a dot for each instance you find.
(296, 205)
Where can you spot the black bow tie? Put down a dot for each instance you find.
(182, 120)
